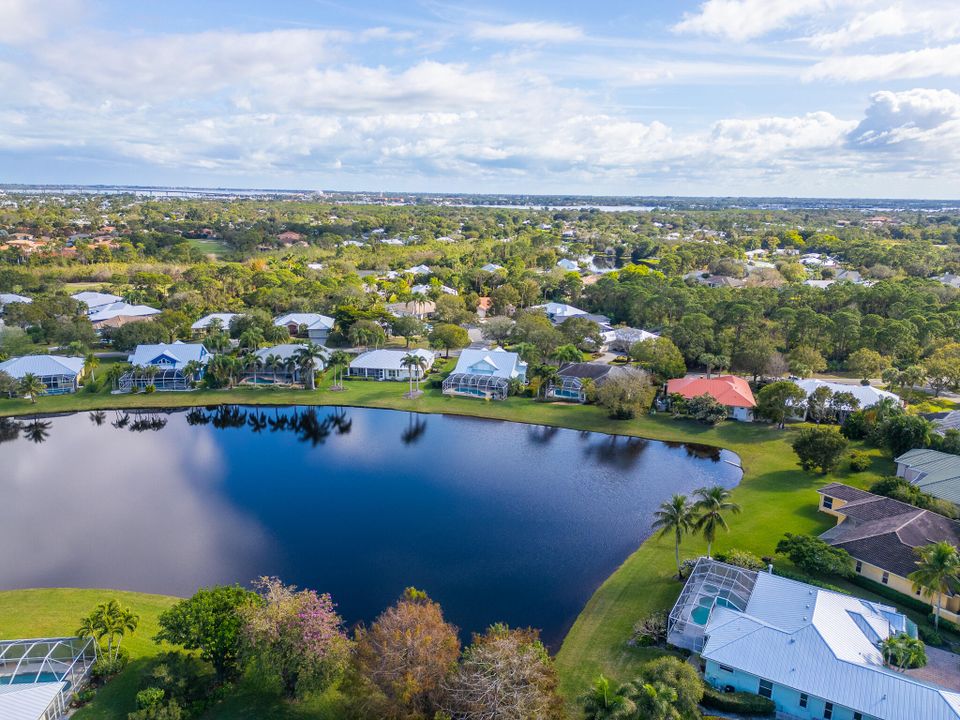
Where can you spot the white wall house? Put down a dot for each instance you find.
(484, 373)
(388, 364)
(318, 326)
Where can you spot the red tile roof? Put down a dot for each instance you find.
(728, 390)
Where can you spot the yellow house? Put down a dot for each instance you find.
(882, 534)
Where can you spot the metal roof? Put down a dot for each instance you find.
(95, 300)
(7, 298)
(825, 644)
(497, 363)
(121, 309)
(388, 359)
(313, 321)
(27, 701)
(180, 353)
(939, 472)
(42, 365)
(866, 394)
(205, 321)
(284, 351)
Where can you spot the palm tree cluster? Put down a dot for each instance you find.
(307, 424)
(937, 573)
(903, 652)
(704, 515)
(32, 387)
(108, 623)
(416, 366)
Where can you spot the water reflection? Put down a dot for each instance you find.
(542, 434)
(415, 429)
(9, 429)
(36, 431)
(619, 451)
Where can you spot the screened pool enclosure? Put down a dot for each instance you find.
(38, 676)
(489, 387)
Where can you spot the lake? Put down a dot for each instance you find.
(495, 520)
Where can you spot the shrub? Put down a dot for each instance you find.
(741, 558)
(686, 567)
(930, 637)
(819, 447)
(651, 630)
(148, 697)
(945, 624)
(150, 389)
(811, 581)
(105, 667)
(738, 702)
(901, 600)
(859, 461)
(856, 426)
(170, 711)
(83, 697)
(814, 556)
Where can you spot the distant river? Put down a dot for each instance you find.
(496, 520)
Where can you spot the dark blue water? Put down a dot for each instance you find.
(496, 520)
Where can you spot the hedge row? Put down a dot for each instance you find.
(893, 595)
(737, 702)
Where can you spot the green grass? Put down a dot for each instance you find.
(775, 494)
(210, 247)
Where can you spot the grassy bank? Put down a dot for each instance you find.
(775, 494)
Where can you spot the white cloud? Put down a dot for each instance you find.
(26, 21)
(527, 32)
(935, 22)
(922, 124)
(746, 19)
(943, 61)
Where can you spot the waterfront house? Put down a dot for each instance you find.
(935, 473)
(277, 365)
(60, 374)
(573, 380)
(388, 364)
(315, 326)
(882, 535)
(732, 392)
(203, 324)
(485, 373)
(813, 652)
(177, 366)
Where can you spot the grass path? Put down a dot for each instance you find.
(775, 494)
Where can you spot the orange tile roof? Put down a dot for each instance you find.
(728, 390)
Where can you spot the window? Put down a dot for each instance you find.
(886, 578)
(828, 711)
(804, 698)
(859, 566)
(858, 716)
(828, 502)
(766, 689)
(725, 668)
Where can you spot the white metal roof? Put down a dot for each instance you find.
(497, 362)
(42, 365)
(284, 351)
(822, 643)
(204, 322)
(95, 300)
(121, 309)
(7, 298)
(313, 321)
(559, 310)
(388, 359)
(866, 394)
(27, 701)
(180, 353)
(422, 289)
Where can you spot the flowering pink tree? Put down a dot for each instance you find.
(296, 635)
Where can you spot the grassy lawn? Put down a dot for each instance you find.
(775, 494)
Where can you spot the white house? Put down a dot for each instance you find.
(558, 312)
(867, 395)
(621, 339)
(57, 372)
(277, 365)
(418, 270)
(120, 313)
(491, 267)
(205, 322)
(568, 265)
(813, 652)
(95, 300)
(425, 290)
(10, 298)
(388, 364)
(318, 326)
(177, 365)
(485, 373)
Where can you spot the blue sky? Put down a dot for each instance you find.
(703, 97)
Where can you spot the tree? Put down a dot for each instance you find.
(867, 363)
(753, 353)
(676, 516)
(447, 336)
(251, 339)
(711, 504)
(778, 400)
(210, 621)
(905, 432)
(937, 573)
(650, 700)
(581, 332)
(339, 359)
(843, 403)
(407, 327)
(805, 361)
(681, 678)
(711, 361)
(307, 358)
(90, 364)
(815, 556)
(296, 636)
(364, 333)
(504, 673)
(108, 623)
(415, 365)
(32, 387)
(8, 385)
(660, 356)
(405, 658)
(819, 447)
(566, 354)
(497, 329)
(705, 408)
(819, 404)
(902, 652)
(452, 310)
(943, 368)
(626, 396)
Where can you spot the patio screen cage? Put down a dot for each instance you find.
(710, 584)
(489, 387)
(567, 388)
(63, 661)
(165, 379)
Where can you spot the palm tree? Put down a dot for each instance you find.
(566, 354)
(150, 372)
(601, 702)
(902, 652)
(339, 359)
(711, 504)
(422, 365)
(109, 621)
(676, 516)
(90, 363)
(192, 369)
(937, 573)
(251, 339)
(306, 358)
(32, 387)
(98, 417)
(271, 363)
(253, 362)
(408, 361)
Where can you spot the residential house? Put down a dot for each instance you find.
(621, 339)
(419, 309)
(883, 534)
(388, 364)
(177, 366)
(277, 366)
(573, 380)
(60, 374)
(935, 473)
(120, 313)
(484, 305)
(318, 327)
(11, 298)
(485, 373)
(731, 391)
(943, 421)
(491, 267)
(95, 300)
(568, 265)
(950, 279)
(204, 323)
(289, 237)
(425, 290)
(558, 312)
(866, 395)
(418, 270)
(813, 652)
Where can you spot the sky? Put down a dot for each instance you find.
(819, 98)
